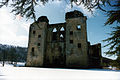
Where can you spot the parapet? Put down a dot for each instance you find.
(43, 19)
(73, 14)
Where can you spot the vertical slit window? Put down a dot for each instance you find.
(79, 45)
(34, 32)
(32, 49)
(33, 54)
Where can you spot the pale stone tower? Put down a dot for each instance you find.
(37, 42)
(76, 40)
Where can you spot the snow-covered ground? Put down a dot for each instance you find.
(28, 73)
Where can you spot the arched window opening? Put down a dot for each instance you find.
(62, 37)
(54, 30)
(62, 29)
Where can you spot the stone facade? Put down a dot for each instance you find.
(62, 44)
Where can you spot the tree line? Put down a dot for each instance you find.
(12, 53)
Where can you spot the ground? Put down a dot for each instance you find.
(30, 73)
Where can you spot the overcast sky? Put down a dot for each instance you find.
(14, 30)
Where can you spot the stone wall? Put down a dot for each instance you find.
(62, 44)
(37, 44)
(76, 42)
(95, 58)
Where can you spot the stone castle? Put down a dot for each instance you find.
(63, 44)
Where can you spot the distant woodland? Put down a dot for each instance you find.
(12, 53)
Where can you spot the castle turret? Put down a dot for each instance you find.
(37, 42)
(76, 40)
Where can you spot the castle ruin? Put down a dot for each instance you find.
(63, 44)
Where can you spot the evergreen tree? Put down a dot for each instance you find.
(114, 39)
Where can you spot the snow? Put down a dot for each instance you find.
(30, 73)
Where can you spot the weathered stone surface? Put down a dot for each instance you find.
(62, 44)
(74, 14)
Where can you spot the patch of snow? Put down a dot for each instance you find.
(31, 73)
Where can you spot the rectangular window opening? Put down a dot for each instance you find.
(34, 32)
(71, 32)
(38, 44)
(71, 41)
(79, 45)
(33, 54)
(39, 36)
(54, 36)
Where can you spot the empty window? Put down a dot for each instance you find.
(38, 44)
(34, 32)
(32, 49)
(78, 27)
(71, 41)
(61, 35)
(62, 29)
(79, 45)
(54, 30)
(54, 36)
(39, 36)
(33, 54)
(71, 32)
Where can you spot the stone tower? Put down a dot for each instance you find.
(76, 40)
(37, 42)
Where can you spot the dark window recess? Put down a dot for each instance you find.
(33, 54)
(71, 32)
(34, 32)
(39, 36)
(32, 49)
(54, 37)
(71, 41)
(79, 45)
(38, 44)
(78, 27)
